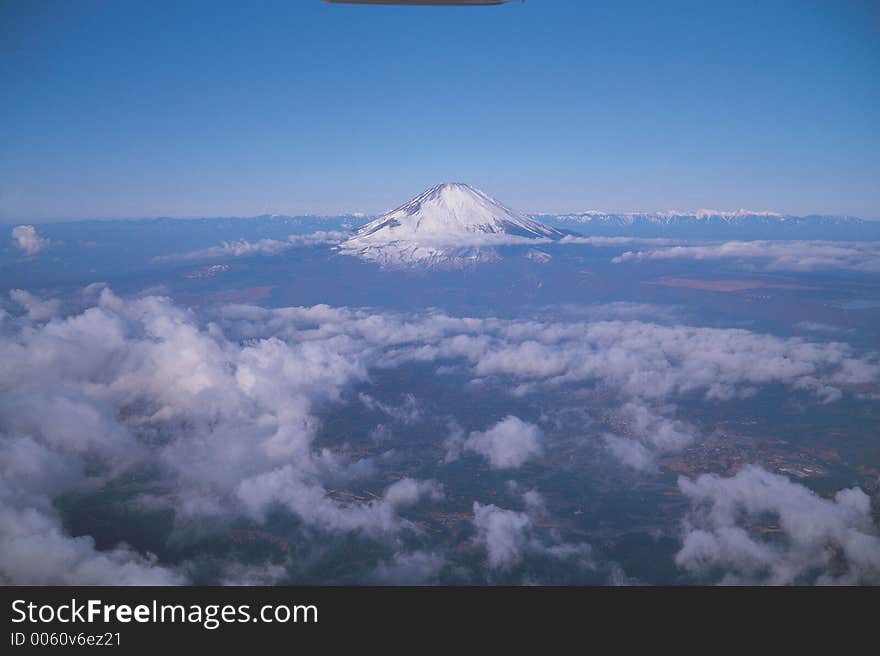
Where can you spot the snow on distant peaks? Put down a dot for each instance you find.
(449, 225)
(695, 217)
(704, 214)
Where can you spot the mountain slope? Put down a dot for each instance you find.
(449, 225)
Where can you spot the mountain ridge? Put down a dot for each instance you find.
(697, 217)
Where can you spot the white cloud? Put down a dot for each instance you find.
(779, 255)
(227, 425)
(35, 550)
(612, 242)
(647, 365)
(630, 452)
(459, 250)
(832, 540)
(509, 536)
(223, 409)
(508, 444)
(310, 502)
(649, 433)
(37, 309)
(503, 533)
(28, 241)
(649, 361)
(244, 248)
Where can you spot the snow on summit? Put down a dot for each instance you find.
(452, 210)
(449, 225)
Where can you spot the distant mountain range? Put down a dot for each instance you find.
(450, 225)
(712, 224)
(699, 217)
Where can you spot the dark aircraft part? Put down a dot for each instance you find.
(460, 3)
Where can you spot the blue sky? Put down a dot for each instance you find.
(136, 109)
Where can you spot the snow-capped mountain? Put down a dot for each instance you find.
(449, 225)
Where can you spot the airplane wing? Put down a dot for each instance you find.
(461, 3)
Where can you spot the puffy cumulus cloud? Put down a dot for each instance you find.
(638, 359)
(630, 452)
(503, 534)
(649, 361)
(227, 425)
(244, 248)
(778, 255)
(646, 364)
(811, 539)
(35, 550)
(649, 432)
(508, 444)
(311, 503)
(509, 536)
(221, 408)
(28, 240)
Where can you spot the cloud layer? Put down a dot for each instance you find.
(222, 409)
(774, 255)
(244, 248)
(133, 384)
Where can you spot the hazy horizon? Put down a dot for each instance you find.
(379, 212)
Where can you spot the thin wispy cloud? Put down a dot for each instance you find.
(244, 248)
(774, 255)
